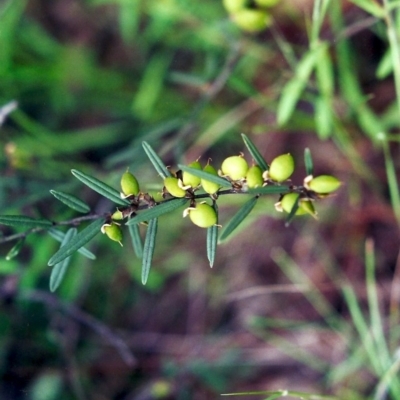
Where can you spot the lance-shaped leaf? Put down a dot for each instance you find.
(59, 270)
(77, 242)
(308, 162)
(71, 201)
(136, 240)
(14, 251)
(205, 175)
(156, 211)
(100, 187)
(212, 239)
(293, 211)
(160, 167)
(243, 212)
(269, 189)
(257, 157)
(27, 222)
(59, 236)
(148, 250)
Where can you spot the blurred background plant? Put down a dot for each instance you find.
(312, 308)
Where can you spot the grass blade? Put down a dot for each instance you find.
(205, 175)
(77, 242)
(27, 222)
(59, 270)
(160, 167)
(136, 240)
(71, 201)
(100, 187)
(243, 212)
(59, 236)
(14, 251)
(308, 161)
(148, 251)
(156, 211)
(258, 158)
(212, 240)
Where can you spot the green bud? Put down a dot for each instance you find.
(234, 5)
(191, 180)
(252, 20)
(117, 215)
(281, 168)
(235, 167)
(210, 187)
(172, 185)
(324, 184)
(254, 177)
(305, 206)
(129, 184)
(113, 231)
(203, 215)
(266, 3)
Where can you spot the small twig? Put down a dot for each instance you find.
(85, 319)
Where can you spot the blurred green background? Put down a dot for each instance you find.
(93, 79)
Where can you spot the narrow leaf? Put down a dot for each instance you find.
(293, 211)
(59, 236)
(308, 161)
(212, 240)
(156, 211)
(148, 251)
(205, 175)
(160, 167)
(71, 201)
(59, 270)
(258, 158)
(14, 251)
(269, 189)
(243, 212)
(77, 242)
(136, 240)
(100, 187)
(21, 220)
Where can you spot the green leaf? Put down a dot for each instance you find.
(14, 251)
(100, 187)
(59, 236)
(71, 201)
(156, 211)
(258, 158)
(293, 211)
(205, 175)
(160, 167)
(243, 212)
(308, 161)
(323, 117)
(269, 189)
(148, 250)
(77, 242)
(385, 66)
(21, 220)
(292, 91)
(371, 7)
(59, 269)
(136, 240)
(212, 239)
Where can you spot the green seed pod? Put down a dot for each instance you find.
(266, 3)
(281, 168)
(210, 187)
(172, 185)
(117, 215)
(254, 177)
(191, 180)
(233, 6)
(324, 184)
(129, 184)
(113, 231)
(252, 20)
(235, 167)
(288, 202)
(203, 215)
